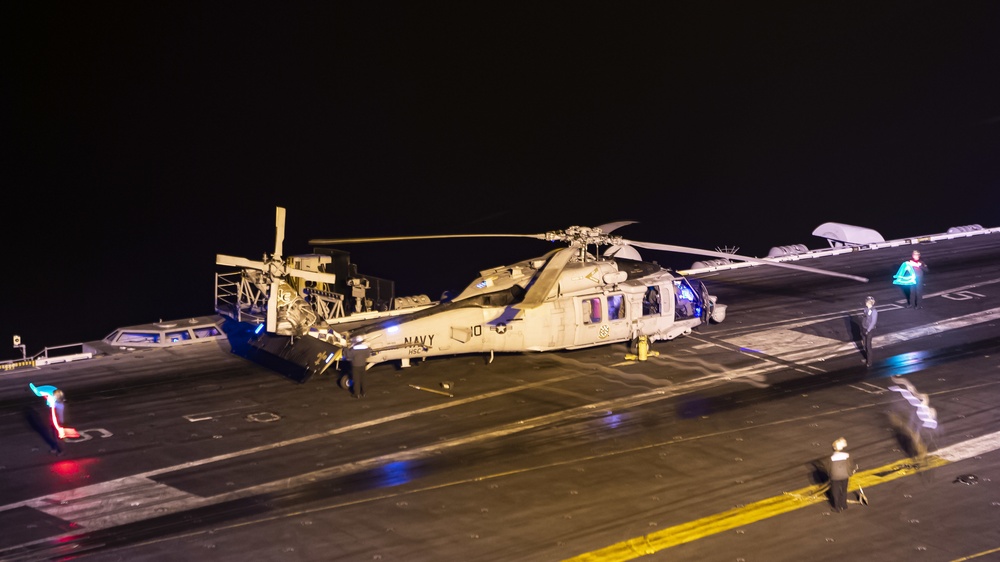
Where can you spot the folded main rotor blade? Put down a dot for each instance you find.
(572, 235)
(547, 279)
(235, 261)
(330, 241)
(613, 226)
(279, 232)
(725, 255)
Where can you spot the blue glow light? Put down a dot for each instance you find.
(395, 473)
(905, 275)
(258, 329)
(392, 329)
(613, 421)
(906, 363)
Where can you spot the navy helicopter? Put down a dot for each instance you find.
(568, 298)
(572, 297)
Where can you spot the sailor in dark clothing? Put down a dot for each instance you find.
(919, 268)
(869, 318)
(911, 278)
(56, 431)
(840, 473)
(358, 356)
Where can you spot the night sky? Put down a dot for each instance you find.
(140, 139)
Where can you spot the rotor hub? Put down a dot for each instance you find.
(578, 236)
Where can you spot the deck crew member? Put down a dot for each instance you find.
(840, 473)
(869, 318)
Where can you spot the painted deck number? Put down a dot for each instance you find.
(962, 296)
(85, 435)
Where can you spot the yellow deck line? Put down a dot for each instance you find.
(751, 513)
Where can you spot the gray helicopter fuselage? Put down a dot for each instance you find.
(594, 302)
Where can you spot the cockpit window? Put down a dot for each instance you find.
(688, 301)
(508, 297)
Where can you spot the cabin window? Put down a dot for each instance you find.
(174, 337)
(207, 332)
(616, 307)
(591, 310)
(138, 337)
(651, 301)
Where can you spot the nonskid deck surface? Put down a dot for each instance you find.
(710, 449)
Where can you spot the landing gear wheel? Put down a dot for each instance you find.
(344, 382)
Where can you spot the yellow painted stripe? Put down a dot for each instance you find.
(751, 513)
(977, 555)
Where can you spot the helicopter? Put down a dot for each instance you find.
(572, 297)
(569, 298)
